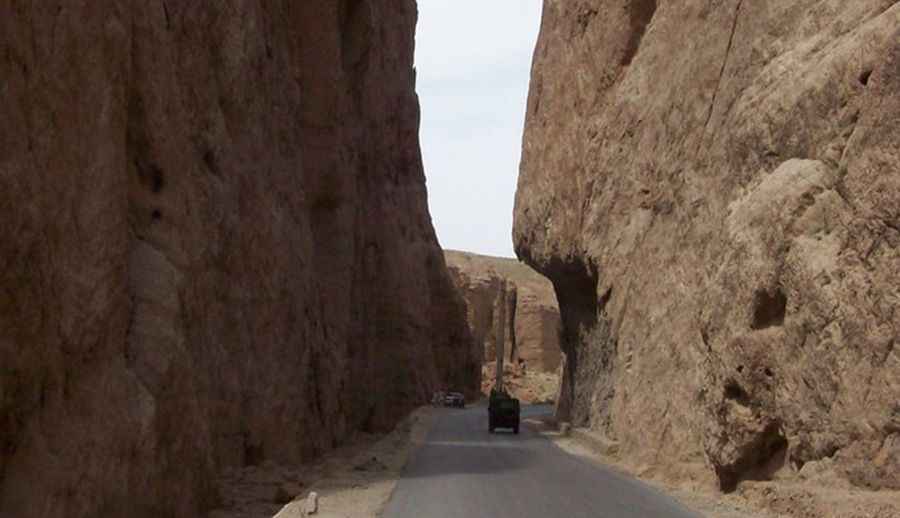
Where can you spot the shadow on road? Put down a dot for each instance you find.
(441, 458)
(460, 444)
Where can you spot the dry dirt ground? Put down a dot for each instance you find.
(354, 481)
(818, 495)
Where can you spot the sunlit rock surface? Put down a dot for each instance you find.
(713, 189)
(490, 285)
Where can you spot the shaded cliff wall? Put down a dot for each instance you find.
(713, 189)
(529, 311)
(217, 248)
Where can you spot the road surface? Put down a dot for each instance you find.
(463, 471)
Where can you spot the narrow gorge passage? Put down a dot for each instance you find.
(228, 291)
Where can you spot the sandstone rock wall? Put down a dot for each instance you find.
(216, 249)
(497, 288)
(713, 189)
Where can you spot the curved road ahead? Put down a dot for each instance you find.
(463, 471)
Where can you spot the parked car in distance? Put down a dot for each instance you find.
(455, 399)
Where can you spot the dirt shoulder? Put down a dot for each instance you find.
(355, 480)
(818, 496)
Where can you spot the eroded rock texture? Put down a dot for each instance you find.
(216, 249)
(501, 291)
(713, 189)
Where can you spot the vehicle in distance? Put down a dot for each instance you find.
(503, 411)
(455, 399)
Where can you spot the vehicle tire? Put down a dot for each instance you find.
(516, 429)
(490, 429)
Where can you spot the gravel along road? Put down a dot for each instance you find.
(463, 471)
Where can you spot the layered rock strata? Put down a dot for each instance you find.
(713, 189)
(217, 248)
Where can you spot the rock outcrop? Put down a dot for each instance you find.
(713, 189)
(528, 386)
(217, 249)
(504, 294)
(502, 289)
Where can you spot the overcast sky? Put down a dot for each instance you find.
(473, 59)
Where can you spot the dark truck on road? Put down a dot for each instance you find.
(503, 411)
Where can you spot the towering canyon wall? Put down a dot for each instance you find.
(217, 249)
(713, 189)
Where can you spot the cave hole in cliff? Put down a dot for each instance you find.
(769, 309)
(156, 215)
(735, 392)
(864, 77)
(759, 459)
(640, 14)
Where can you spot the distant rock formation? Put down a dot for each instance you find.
(713, 189)
(501, 289)
(217, 250)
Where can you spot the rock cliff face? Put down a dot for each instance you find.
(713, 189)
(498, 289)
(216, 250)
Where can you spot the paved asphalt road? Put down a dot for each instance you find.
(464, 471)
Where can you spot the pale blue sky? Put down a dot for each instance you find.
(473, 59)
